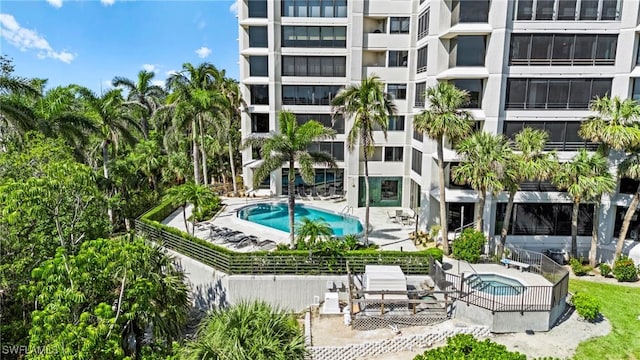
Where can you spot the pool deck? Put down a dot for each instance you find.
(525, 277)
(388, 235)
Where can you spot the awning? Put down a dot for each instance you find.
(253, 164)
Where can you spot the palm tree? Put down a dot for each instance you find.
(615, 127)
(484, 156)
(113, 122)
(247, 331)
(629, 168)
(16, 96)
(189, 193)
(370, 107)
(529, 163)
(289, 146)
(310, 231)
(584, 178)
(444, 119)
(144, 94)
(191, 104)
(147, 157)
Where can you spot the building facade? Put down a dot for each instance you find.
(525, 63)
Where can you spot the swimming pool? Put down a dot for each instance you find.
(495, 284)
(276, 215)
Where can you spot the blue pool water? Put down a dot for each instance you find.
(496, 285)
(277, 216)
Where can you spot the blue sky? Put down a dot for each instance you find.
(88, 42)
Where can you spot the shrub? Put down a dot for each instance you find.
(465, 346)
(578, 268)
(468, 246)
(206, 211)
(605, 270)
(625, 270)
(586, 305)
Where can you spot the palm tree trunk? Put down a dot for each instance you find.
(144, 124)
(224, 177)
(105, 171)
(184, 217)
(203, 152)
(366, 201)
(594, 235)
(574, 227)
(625, 223)
(443, 203)
(505, 223)
(292, 202)
(233, 170)
(196, 155)
(482, 198)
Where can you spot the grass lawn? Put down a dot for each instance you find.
(621, 306)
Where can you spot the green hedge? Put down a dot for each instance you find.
(287, 261)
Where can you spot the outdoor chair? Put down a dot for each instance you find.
(392, 217)
(314, 194)
(332, 193)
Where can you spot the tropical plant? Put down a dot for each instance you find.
(370, 107)
(615, 126)
(468, 246)
(146, 96)
(112, 299)
(16, 116)
(584, 178)
(624, 269)
(484, 156)
(444, 119)
(147, 157)
(113, 121)
(465, 346)
(605, 269)
(630, 168)
(290, 146)
(587, 306)
(529, 162)
(311, 231)
(197, 195)
(247, 331)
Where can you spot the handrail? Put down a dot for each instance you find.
(345, 210)
(461, 229)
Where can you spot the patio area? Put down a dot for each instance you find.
(388, 232)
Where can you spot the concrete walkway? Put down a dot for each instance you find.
(385, 233)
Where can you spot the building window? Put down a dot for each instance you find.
(321, 66)
(416, 161)
(421, 87)
(561, 93)
(398, 58)
(335, 122)
(418, 135)
(563, 135)
(335, 149)
(308, 94)
(389, 189)
(396, 123)
(398, 91)
(474, 87)
(421, 63)
(314, 8)
(258, 37)
(567, 10)
(393, 153)
(256, 152)
(257, 8)
(377, 154)
(259, 94)
(544, 219)
(399, 25)
(259, 123)
(258, 66)
(423, 24)
(314, 36)
(562, 49)
(468, 50)
(470, 11)
(635, 92)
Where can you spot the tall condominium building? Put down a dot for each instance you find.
(525, 63)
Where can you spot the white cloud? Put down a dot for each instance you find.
(234, 8)
(203, 52)
(158, 83)
(27, 39)
(149, 67)
(107, 2)
(55, 3)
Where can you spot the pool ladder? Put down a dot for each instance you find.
(345, 210)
